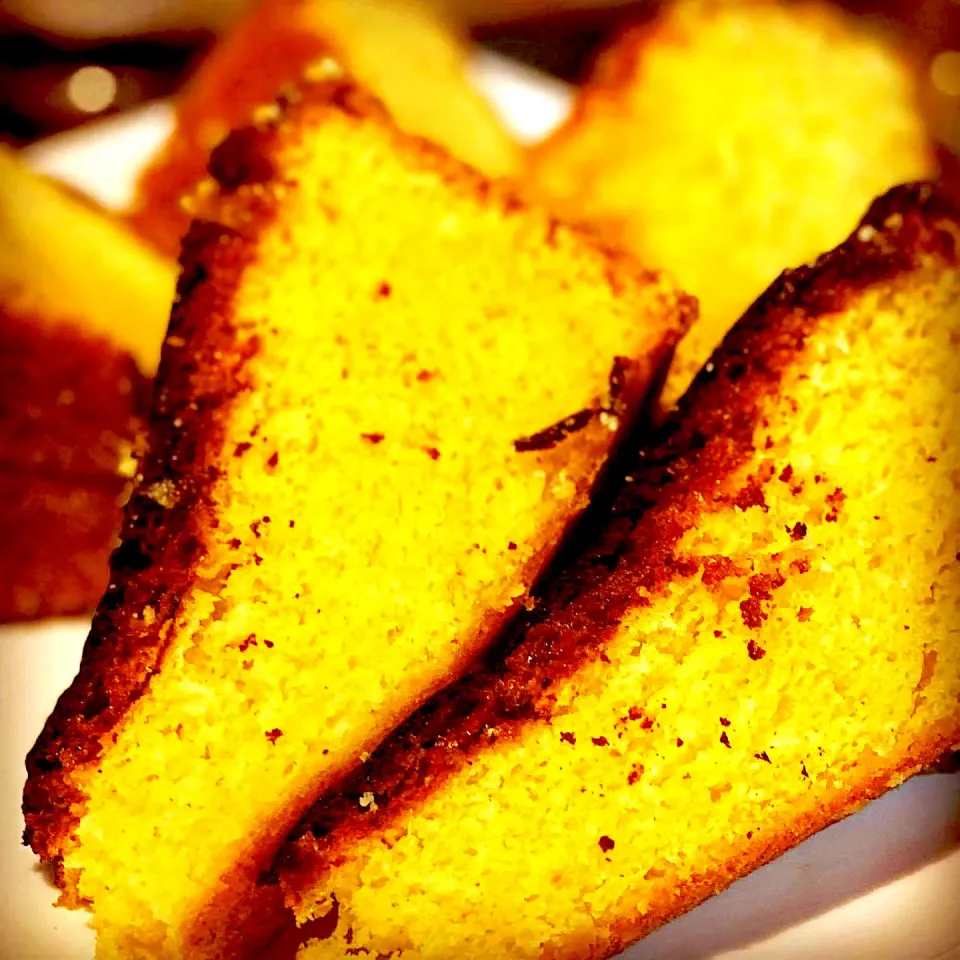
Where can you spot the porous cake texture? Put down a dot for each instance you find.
(401, 50)
(725, 142)
(387, 390)
(760, 640)
(83, 308)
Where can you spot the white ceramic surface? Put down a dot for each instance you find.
(882, 885)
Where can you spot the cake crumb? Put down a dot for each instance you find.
(754, 650)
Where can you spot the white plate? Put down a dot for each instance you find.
(882, 885)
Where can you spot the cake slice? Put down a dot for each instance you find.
(401, 50)
(387, 390)
(725, 142)
(760, 639)
(83, 308)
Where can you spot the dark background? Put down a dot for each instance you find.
(36, 62)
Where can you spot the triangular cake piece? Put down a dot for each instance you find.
(761, 640)
(83, 309)
(387, 390)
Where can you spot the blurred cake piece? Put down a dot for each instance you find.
(759, 640)
(401, 50)
(83, 308)
(724, 142)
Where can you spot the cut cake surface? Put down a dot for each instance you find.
(387, 390)
(761, 639)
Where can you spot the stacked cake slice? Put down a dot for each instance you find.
(750, 137)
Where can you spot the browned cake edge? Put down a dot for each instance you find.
(160, 546)
(200, 374)
(636, 551)
(620, 64)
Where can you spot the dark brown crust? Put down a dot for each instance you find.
(556, 433)
(160, 547)
(707, 440)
